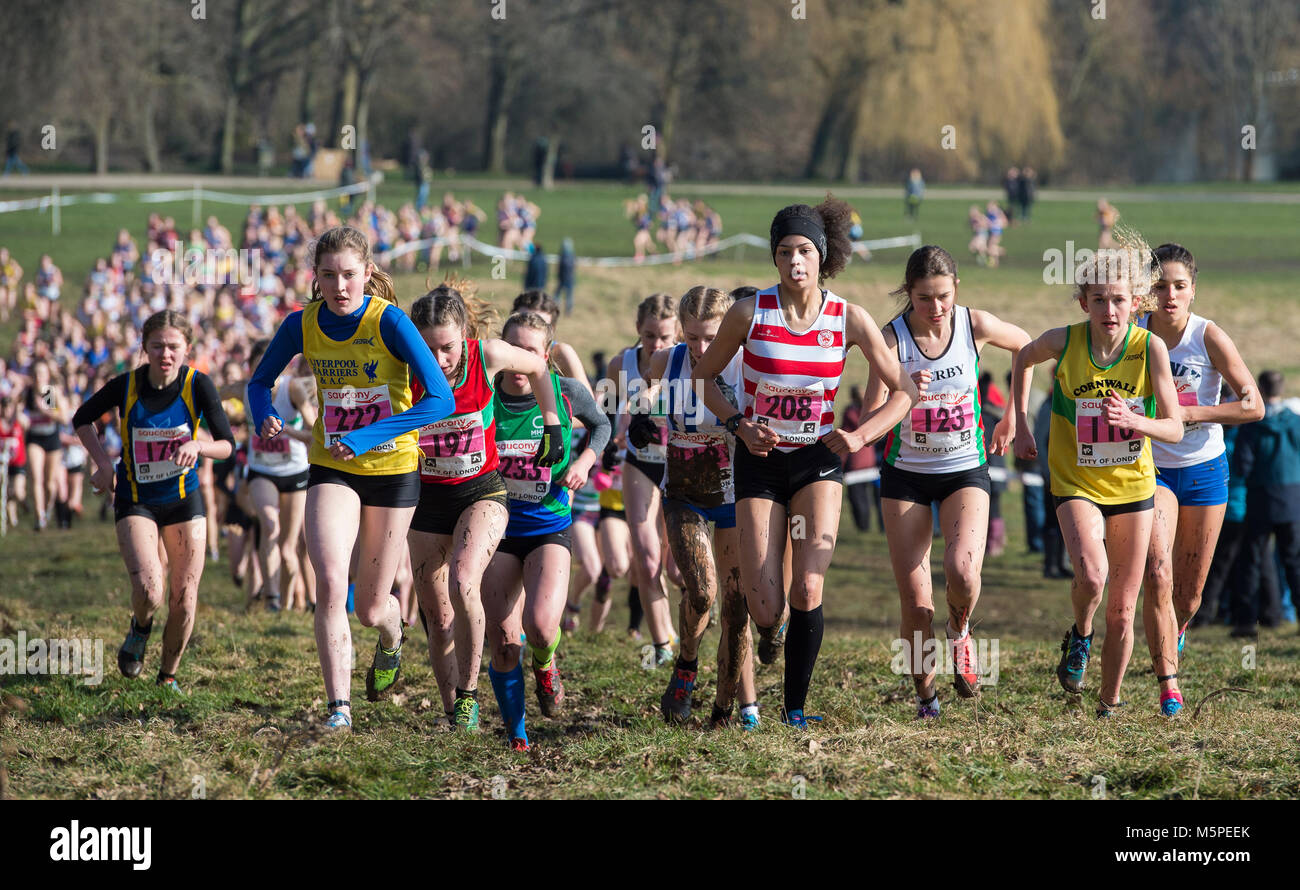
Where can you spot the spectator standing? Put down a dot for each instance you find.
(566, 272)
(535, 276)
(913, 194)
(1267, 456)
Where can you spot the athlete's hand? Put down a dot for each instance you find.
(102, 479)
(550, 451)
(1003, 434)
(843, 442)
(339, 451)
(270, 427)
(188, 454)
(758, 438)
(609, 460)
(1026, 447)
(1118, 413)
(922, 379)
(642, 430)
(576, 476)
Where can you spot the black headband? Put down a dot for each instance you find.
(800, 225)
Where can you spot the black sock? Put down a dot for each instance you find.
(143, 629)
(634, 608)
(803, 640)
(467, 693)
(693, 665)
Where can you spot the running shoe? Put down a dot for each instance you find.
(273, 604)
(720, 718)
(170, 684)
(663, 654)
(338, 720)
(928, 709)
(384, 670)
(966, 677)
(1105, 711)
(130, 658)
(465, 716)
(771, 640)
(1171, 703)
(570, 621)
(676, 702)
(1075, 652)
(749, 720)
(550, 690)
(519, 744)
(796, 719)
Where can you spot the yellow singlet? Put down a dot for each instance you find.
(1088, 457)
(358, 382)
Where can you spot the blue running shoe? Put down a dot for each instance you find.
(338, 718)
(676, 702)
(170, 684)
(1171, 703)
(749, 721)
(1075, 652)
(796, 719)
(1105, 711)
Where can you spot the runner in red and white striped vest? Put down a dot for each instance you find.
(788, 478)
(791, 379)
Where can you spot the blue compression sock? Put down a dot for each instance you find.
(509, 689)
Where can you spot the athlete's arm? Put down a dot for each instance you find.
(302, 395)
(286, 343)
(988, 328)
(1227, 361)
(498, 356)
(610, 396)
(406, 344)
(862, 332)
(568, 364)
(1046, 348)
(877, 392)
(109, 396)
(586, 410)
(208, 404)
(731, 336)
(1167, 425)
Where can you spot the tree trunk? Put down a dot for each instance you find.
(349, 106)
(501, 87)
(149, 131)
(227, 164)
(548, 165)
(364, 84)
(101, 142)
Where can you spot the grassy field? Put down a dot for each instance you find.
(255, 694)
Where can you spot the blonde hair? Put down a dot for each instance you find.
(655, 306)
(703, 303)
(1131, 260)
(339, 239)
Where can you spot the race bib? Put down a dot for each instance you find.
(1100, 444)
(699, 464)
(353, 408)
(271, 452)
(943, 422)
(525, 481)
(1186, 388)
(793, 412)
(657, 451)
(453, 448)
(152, 450)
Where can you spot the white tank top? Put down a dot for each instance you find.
(283, 455)
(791, 379)
(692, 427)
(656, 452)
(944, 430)
(1197, 383)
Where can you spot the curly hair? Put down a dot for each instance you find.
(834, 217)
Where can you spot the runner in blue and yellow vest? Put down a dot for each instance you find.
(364, 482)
(534, 556)
(156, 486)
(1111, 393)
